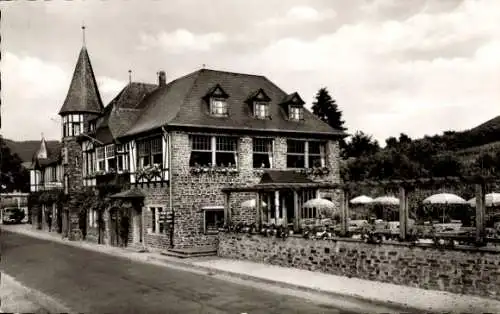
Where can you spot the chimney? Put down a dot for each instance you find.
(162, 78)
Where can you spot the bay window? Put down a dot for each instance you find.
(305, 154)
(262, 153)
(122, 157)
(220, 151)
(100, 159)
(149, 152)
(110, 157)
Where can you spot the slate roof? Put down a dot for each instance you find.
(83, 94)
(53, 154)
(121, 112)
(182, 103)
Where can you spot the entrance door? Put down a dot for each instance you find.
(119, 227)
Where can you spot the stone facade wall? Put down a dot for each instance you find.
(467, 271)
(191, 192)
(73, 171)
(155, 196)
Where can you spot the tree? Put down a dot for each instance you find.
(325, 108)
(361, 144)
(13, 176)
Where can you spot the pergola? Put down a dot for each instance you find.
(269, 183)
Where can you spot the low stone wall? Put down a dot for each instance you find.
(472, 272)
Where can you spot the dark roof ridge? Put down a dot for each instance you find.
(231, 72)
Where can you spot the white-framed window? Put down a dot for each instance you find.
(110, 157)
(262, 152)
(220, 151)
(101, 161)
(213, 219)
(122, 152)
(261, 109)
(305, 154)
(218, 107)
(92, 218)
(72, 124)
(158, 223)
(149, 152)
(296, 113)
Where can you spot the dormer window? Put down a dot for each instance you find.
(216, 98)
(296, 113)
(218, 107)
(261, 109)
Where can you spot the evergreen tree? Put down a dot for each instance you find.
(12, 174)
(325, 108)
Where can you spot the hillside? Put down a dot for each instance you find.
(26, 149)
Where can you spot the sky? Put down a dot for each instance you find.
(417, 67)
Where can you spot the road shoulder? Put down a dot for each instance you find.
(17, 298)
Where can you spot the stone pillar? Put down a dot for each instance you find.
(296, 210)
(480, 212)
(344, 212)
(403, 213)
(277, 206)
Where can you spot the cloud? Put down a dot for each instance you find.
(181, 40)
(108, 85)
(300, 15)
(384, 94)
(31, 89)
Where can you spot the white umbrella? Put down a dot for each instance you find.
(323, 206)
(319, 203)
(386, 200)
(491, 199)
(363, 199)
(251, 204)
(444, 198)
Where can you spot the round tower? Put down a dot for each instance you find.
(82, 105)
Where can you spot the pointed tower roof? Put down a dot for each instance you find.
(83, 94)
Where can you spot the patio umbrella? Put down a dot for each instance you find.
(444, 198)
(363, 199)
(322, 205)
(491, 199)
(386, 200)
(251, 204)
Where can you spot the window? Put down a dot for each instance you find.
(100, 159)
(110, 157)
(262, 153)
(316, 154)
(296, 113)
(225, 154)
(214, 219)
(157, 220)
(305, 196)
(53, 176)
(305, 154)
(72, 125)
(213, 150)
(295, 154)
(150, 152)
(93, 218)
(91, 126)
(218, 107)
(261, 109)
(122, 157)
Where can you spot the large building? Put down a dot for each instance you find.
(168, 150)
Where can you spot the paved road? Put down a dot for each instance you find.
(92, 282)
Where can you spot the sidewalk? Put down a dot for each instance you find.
(337, 287)
(17, 298)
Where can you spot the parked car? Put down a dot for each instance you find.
(12, 215)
